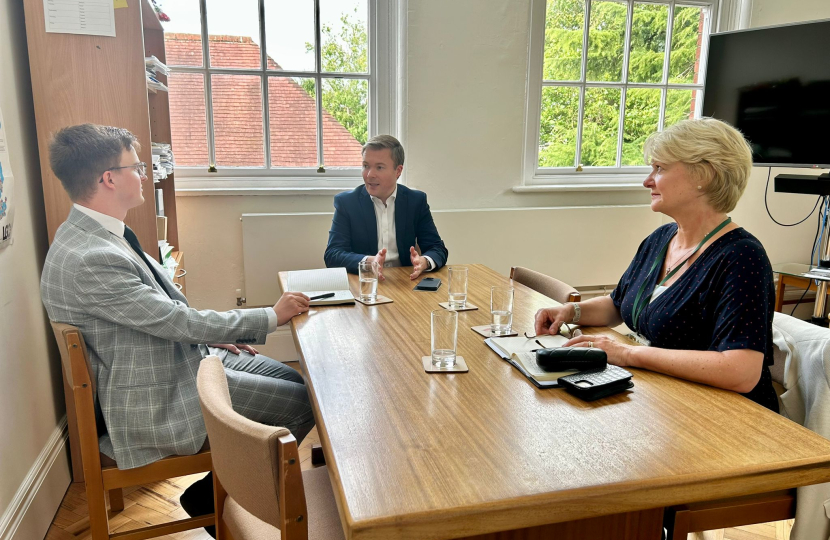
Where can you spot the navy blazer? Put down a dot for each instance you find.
(354, 229)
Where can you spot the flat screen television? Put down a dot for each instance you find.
(773, 84)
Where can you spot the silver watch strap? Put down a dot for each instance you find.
(577, 312)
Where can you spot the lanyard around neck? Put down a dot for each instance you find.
(641, 301)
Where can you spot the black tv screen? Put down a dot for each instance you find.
(773, 84)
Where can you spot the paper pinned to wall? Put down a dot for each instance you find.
(88, 17)
(6, 189)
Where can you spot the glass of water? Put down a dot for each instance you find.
(458, 287)
(501, 310)
(368, 272)
(444, 326)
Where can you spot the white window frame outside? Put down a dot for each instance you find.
(535, 178)
(386, 20)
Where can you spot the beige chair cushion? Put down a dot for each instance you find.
(323, 520)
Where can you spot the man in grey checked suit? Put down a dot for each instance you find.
(144, 341)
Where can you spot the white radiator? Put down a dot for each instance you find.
(582, 246)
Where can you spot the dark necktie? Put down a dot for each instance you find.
(132, 239)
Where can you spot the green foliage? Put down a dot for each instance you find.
(347, 100)
(563, 62)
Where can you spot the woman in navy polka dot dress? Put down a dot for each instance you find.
(700, 290)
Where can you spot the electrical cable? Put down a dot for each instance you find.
(766, 204)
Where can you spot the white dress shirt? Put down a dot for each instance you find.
(116, 227)
(387, 238)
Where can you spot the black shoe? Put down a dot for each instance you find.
(197, 500)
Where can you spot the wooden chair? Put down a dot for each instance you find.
(550, 287)
(100, 472)
(260, 489)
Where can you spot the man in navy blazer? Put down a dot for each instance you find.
(382, 220)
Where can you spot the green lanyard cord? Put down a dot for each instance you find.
(641, 301)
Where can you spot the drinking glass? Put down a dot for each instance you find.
(444, 325)
(458, 287)
(501, 310)
(368, 281)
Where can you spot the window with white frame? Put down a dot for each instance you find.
(273, 89)
(604, 75)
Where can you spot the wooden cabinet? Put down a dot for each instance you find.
(98, 79)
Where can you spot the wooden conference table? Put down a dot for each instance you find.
(434, 456)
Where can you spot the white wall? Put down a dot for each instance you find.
(31, 402)
(466, 67)
(772, 12)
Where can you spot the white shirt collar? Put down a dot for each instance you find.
(113, 225)
(391, 197)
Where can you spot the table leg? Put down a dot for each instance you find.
(642, 525)
(779, 293)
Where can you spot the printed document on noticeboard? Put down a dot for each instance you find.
(89, 17)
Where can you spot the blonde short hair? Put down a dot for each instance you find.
(715, 153)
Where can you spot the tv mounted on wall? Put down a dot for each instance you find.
(773, 84)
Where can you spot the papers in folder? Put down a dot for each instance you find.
(519, 351)
(322, 281)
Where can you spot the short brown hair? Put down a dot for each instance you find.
(379, 142)
(80, 154)
(715, 153)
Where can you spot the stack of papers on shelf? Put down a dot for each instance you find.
(163, 161)
(165, 250)
(153, 67)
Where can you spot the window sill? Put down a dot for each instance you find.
(547, 188)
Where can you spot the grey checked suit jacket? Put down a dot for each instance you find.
(143, 345)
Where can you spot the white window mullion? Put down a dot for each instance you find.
(583, 78)
(211, 139)
(266, 107)
(629, 21)
(318, 95)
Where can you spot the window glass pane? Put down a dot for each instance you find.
(345, 43)
(293, 122)
(237, 120)
(680, 105)
(187, 118)
(648, 43)
(289, 34)
(564, 27)
(642, 115)
(557, 133)
(345, 121)
(233, 29)
(606, 40)
(687, 36)
(599, 127)
(183, 33)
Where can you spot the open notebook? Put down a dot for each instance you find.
(322, 281)
(519, 352)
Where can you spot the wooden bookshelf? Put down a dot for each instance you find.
(78, 79)
(98, 79)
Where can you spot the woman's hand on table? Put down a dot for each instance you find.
(618, 353)
(549, 320)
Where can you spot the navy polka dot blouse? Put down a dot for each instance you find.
(723, 301)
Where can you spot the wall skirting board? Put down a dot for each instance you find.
(33, 507)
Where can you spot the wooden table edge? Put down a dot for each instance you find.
(578, 504)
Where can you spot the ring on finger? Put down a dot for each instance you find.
(590, 344)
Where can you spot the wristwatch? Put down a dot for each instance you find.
(577, 312)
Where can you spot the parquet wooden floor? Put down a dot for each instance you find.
(159, 502)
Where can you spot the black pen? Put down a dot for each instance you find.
(321, 296)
